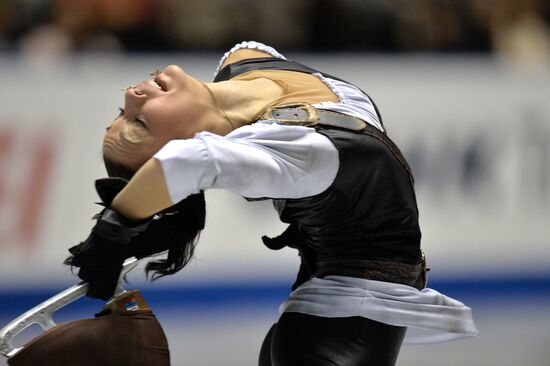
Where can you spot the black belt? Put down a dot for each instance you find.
(303, 114)
(414, 275)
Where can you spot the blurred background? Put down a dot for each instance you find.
(464, 88)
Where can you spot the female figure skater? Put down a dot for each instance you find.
(271, 128)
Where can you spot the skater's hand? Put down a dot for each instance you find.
(111, 241)
(101, 255)
(115, 238)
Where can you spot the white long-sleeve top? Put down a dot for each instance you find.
(267, 159)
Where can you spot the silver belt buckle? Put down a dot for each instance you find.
(277, 113)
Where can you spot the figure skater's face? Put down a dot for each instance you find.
(166, 107)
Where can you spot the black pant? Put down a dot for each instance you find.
(307, 340)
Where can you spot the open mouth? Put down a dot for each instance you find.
(159, 83)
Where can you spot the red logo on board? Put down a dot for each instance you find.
(26, 161)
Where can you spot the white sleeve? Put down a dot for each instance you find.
(261, 160)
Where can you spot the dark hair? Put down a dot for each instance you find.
(115, 169)
(175, 229)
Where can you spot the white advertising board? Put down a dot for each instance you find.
(476, 133)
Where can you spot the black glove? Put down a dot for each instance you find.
(101, 255)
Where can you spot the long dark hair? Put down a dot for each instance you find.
(176, 229)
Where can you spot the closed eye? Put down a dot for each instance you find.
(121, 112)
(135, 120)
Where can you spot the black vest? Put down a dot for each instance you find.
(369, 212)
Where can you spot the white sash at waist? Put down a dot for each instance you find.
(430, 316)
